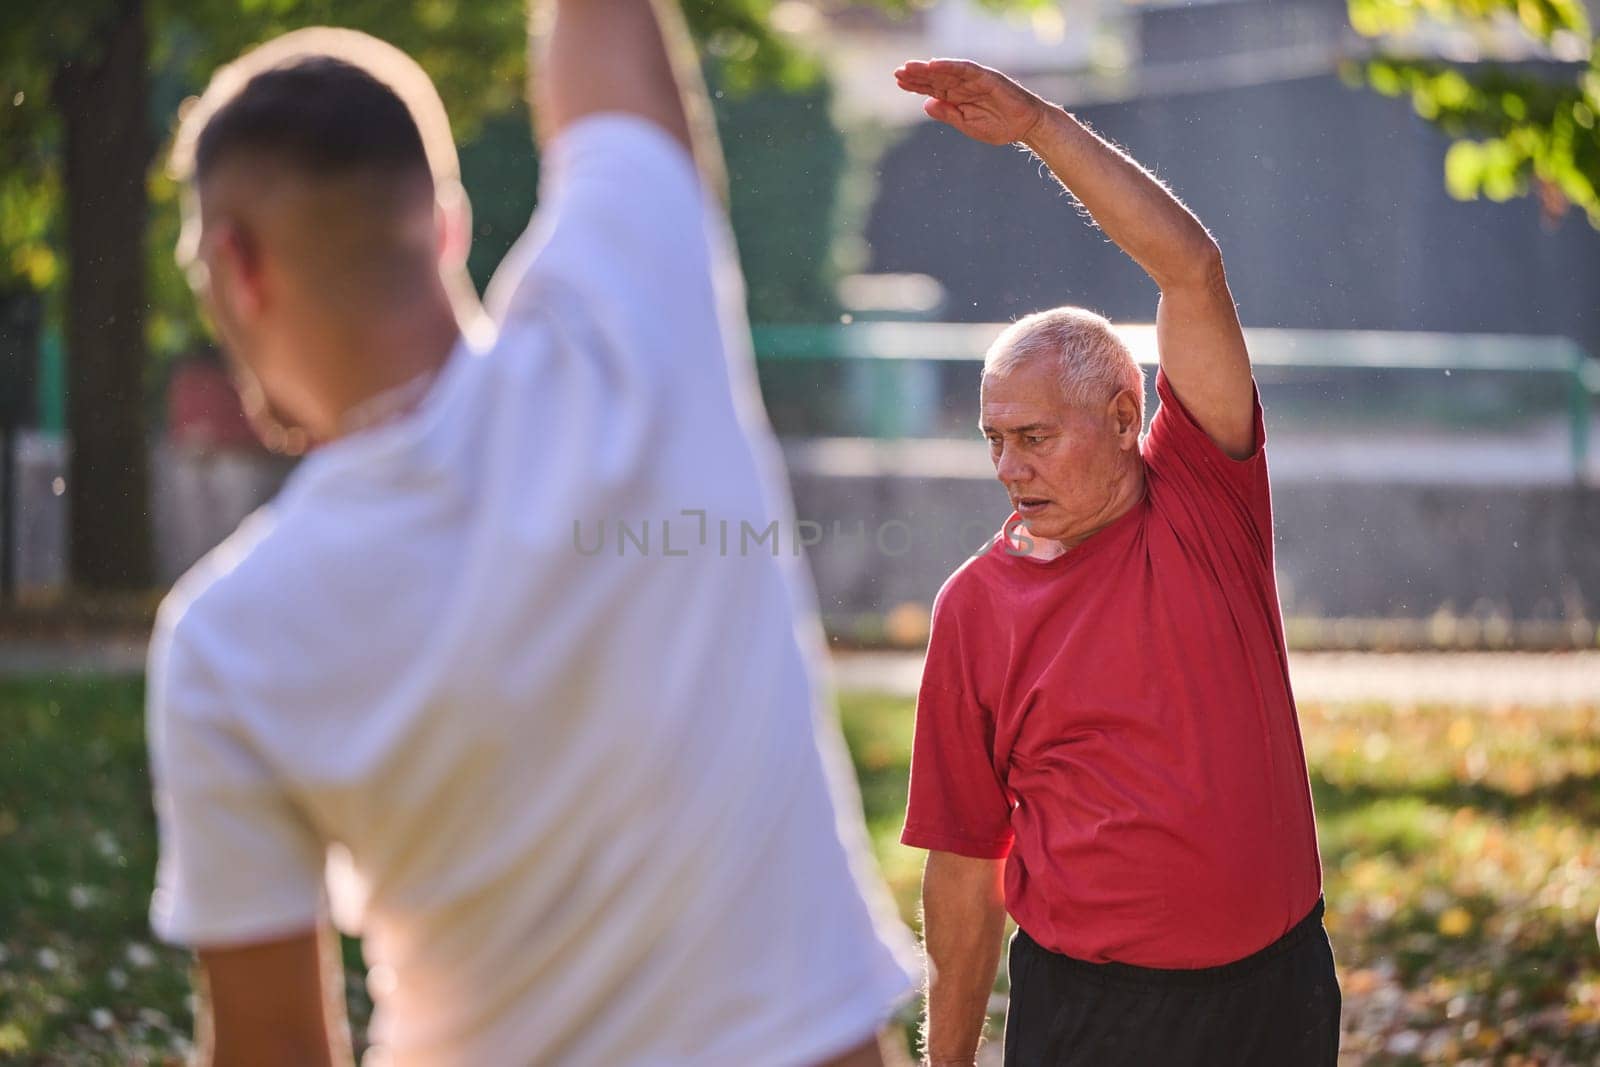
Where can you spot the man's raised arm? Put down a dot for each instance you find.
(1197, 328)
(630, 56)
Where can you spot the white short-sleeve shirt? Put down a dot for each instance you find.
(526, 681)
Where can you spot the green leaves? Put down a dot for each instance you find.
(1519, 132)
(1540, 18)
(475, 51)
(27, 204)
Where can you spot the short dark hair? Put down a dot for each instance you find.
(320, 115)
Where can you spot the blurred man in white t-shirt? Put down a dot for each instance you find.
(577, 803)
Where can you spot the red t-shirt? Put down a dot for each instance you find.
(1117, 721)
(204, 409)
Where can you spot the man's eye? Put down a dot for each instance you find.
(1032, 440)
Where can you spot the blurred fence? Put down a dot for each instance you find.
(1417, 406)
(1441, 484)
(1444, 483)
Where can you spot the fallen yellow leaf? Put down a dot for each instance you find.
(1454, 922)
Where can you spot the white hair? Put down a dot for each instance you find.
(1095, 364)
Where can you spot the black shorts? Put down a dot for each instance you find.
(1276, 1008)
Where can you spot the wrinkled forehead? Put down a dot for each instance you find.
(1027, 415)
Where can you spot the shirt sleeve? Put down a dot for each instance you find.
(957, 801)
(1218, 494)
(238, 863)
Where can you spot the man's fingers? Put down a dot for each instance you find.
(913, 83)
(913, 76)
(920, 79)
(937, 92)
(941, 110)
(943, 72)
(954, 94)
(961, 76)
(961, 68)
(955, 80)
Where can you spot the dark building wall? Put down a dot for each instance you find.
(1328, 202)
(1202, 32)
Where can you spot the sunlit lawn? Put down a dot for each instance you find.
(1462, 851)
(1462, 860)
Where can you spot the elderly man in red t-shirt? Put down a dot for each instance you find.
(1106, 742)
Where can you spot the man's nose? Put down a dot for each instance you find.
(1010, 467)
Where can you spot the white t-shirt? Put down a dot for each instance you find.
(567, 779)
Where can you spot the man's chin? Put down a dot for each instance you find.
(1043, 528)
(1038, 538)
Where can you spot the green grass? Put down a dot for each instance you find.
(1462, 855)
(82, 979)
(1461, 852)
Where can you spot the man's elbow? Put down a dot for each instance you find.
(1198, 267)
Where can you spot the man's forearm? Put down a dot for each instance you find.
(963, 919)
(273, 1002)
(1134, 209)
(630, 56)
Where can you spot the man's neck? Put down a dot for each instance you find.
(391, 365)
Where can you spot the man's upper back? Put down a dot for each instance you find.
(494, 659)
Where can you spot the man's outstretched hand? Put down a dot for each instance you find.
(982, 103)
(1197, 327)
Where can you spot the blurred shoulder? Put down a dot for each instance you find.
(236, 592)
(211, 581)
(188, 645)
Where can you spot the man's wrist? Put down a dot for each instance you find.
(948, 1057)
(1032, 137)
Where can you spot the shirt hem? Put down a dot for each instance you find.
(270, 926)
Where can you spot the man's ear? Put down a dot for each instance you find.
(452, 213)
(1125, 418)
(237, 274)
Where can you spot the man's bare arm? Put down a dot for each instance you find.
(1197, 326)
(632, 56)
(963, 918)
(272, 1003)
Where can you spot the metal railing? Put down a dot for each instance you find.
(886, 389)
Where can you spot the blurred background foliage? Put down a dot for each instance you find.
(68, 66)
(772, 103)
(1519, 128)
(80, 73)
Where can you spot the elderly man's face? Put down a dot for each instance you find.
(1065, 467)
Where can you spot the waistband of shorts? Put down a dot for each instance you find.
(1223, 974)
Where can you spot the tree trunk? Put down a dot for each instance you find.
(102, 100)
